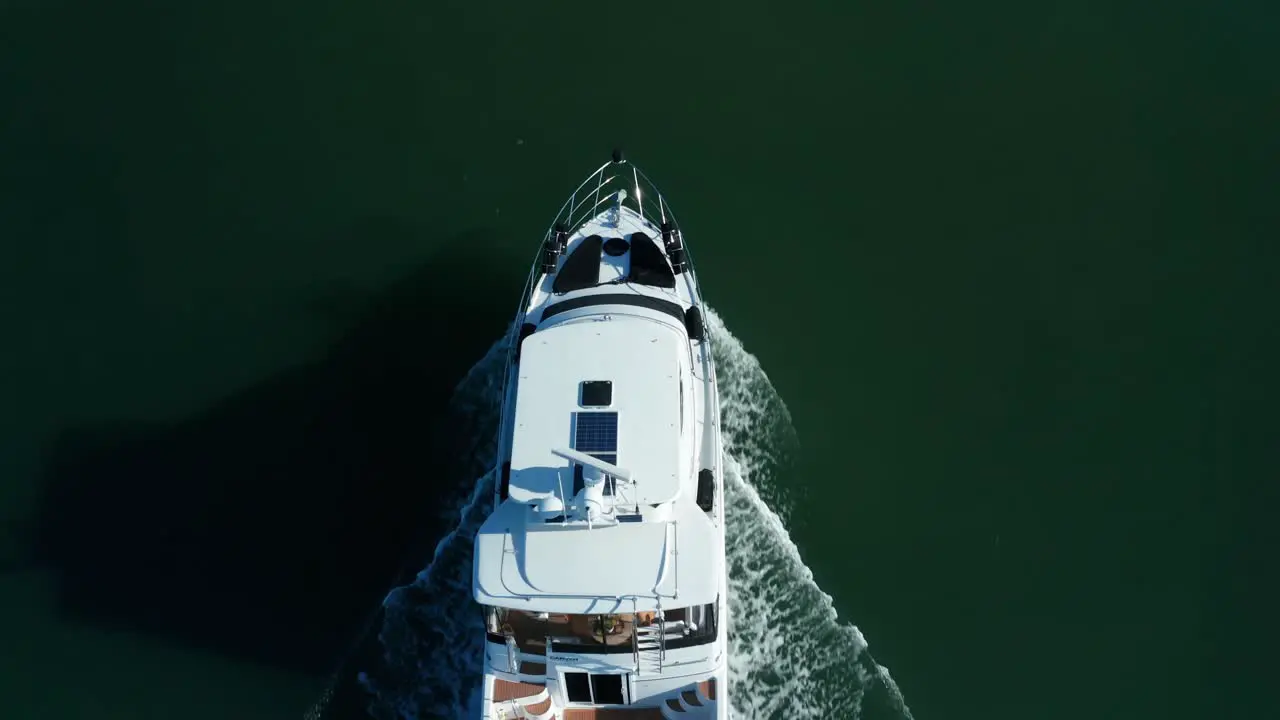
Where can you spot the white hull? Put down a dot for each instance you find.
(601, 572)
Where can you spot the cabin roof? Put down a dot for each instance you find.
(641, 361)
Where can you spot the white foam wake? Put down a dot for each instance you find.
(790, 656)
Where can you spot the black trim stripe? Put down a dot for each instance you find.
(644, 301)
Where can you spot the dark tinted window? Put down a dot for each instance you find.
(608, 689)
(576, 687)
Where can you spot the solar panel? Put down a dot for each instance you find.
(596, 433)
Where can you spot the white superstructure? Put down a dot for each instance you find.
(601, 570)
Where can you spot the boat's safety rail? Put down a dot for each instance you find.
(618, 180)
(649, 643)
(513, 654)
(615, 179)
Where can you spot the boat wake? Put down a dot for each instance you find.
(790, 656)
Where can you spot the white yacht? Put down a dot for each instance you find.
(601, 571)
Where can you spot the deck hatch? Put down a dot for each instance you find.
(596, 393)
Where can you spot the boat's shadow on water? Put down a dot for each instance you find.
(268, 526)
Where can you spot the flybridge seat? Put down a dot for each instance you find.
(581, 269)
(646, 263)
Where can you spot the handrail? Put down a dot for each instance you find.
(635, 634)
(662, 639)
(571, 214)
(668, 559)
(513, 659)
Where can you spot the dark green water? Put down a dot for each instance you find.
(1010, 267)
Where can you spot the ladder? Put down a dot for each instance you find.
(650, 646)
